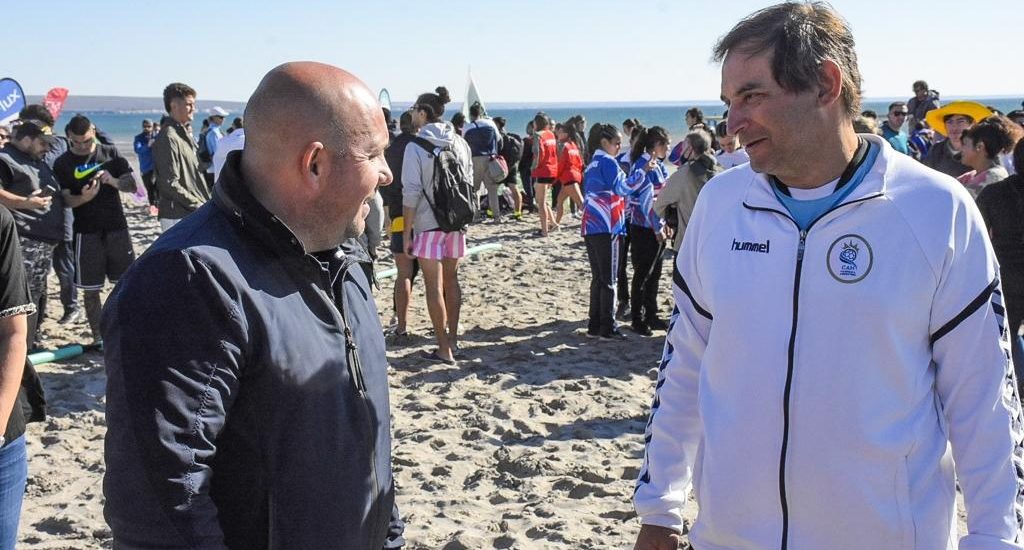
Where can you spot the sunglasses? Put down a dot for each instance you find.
(900, 113)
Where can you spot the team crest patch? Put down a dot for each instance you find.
(850, 259)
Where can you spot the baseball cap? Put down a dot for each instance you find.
(218, 111)
(34, 129)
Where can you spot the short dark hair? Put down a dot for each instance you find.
(541, 121)
(696, 113)
(868, 113)
(476, 110)
(458, 120)
(920, 85)
(38, 112)
(722, 129)
(996, 133)
(405, 122)
(895, 104)
(176, 90)
(800, 36)
(79, 125)
(500, 122)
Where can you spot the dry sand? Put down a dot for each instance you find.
(532, 442)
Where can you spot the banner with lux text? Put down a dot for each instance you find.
(12, 100)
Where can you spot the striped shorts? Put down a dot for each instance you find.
(438, 245)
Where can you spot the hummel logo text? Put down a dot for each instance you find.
(745, 246)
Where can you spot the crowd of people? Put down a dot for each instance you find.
(266, 263)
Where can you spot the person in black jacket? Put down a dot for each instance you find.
(1002, 206)
(406, 265)
(247, 394)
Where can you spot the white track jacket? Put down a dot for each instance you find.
(817, 387)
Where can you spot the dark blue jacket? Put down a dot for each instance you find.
(247, 394)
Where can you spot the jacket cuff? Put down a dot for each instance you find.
(986, 542)
(668, 520)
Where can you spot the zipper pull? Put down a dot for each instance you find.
(354, 364)
(800, 247)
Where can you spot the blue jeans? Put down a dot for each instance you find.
(13, 475)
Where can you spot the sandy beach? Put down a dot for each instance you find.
(532, 442)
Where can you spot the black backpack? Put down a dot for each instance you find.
(203, 152)
(512, 149)
(453, 201)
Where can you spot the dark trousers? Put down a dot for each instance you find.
(647, 260)
(603, 253)
(150, 183)
(64, 266)
(528, 203)
(623, 278)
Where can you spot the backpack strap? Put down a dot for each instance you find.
(425, 144)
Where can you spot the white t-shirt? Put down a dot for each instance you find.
(735, 158)
(231, 142)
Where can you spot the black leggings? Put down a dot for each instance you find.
(622, 276)
(603, 253)
(647, 260)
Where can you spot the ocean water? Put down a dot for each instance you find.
(122, 127)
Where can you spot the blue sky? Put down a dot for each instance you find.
(520, 51)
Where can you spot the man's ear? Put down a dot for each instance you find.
(830, 82)
(312, 163)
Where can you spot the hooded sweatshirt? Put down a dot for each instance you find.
(418, 171)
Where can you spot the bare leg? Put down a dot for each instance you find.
(543, 209)
(452, 297)
(436, 305)
(517, 199)
(93, 311)
(403, 289)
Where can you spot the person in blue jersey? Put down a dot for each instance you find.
(838, 359)
(143, 145)
(605, 187)
(647, 231)
(622, 311)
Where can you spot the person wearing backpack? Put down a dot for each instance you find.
(512, 152)
(437, 203)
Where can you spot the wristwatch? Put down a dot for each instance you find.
(3, 441)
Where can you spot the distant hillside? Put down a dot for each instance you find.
(131, 104)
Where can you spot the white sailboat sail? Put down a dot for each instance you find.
(472, 96)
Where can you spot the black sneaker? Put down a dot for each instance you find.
(614, 335)
(623, 312)
(641, 329)
(71, 316)
(657, 324)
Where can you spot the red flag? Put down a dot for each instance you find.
(54, 101)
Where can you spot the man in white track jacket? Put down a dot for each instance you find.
(839, 336)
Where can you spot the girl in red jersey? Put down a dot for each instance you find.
(544, 170)
(570, 170)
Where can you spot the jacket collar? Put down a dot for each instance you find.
(231, 194)
(760, 194)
